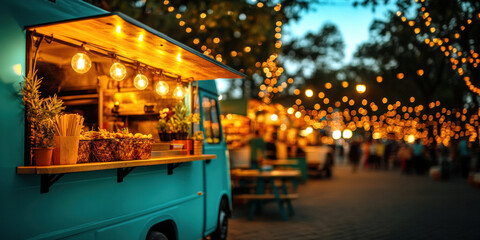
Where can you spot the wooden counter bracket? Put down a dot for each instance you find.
(172, 166)
(123, 172)
(47, 180)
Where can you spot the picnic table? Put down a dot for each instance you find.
(268, 186)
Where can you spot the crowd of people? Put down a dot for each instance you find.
(459, 158)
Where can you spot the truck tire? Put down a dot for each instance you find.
(222, 223)
(154, 235)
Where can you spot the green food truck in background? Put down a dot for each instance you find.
(179, 200)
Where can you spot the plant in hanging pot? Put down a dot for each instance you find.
(40, 113)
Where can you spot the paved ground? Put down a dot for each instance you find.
(370, 205)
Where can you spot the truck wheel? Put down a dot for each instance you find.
(222, 223)
(154, 235)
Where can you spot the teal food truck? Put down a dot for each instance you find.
(168, 196)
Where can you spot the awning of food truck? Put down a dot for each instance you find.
(133, 41)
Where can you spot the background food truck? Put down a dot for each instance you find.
(173, 197)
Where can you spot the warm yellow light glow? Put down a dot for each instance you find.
(410, 139)
(337, 134)
(161, 88)
(118, 71)
(119, 29)
(140, 81)
(179, 57)
(376, 135)
(361, 88)
(309, 130)
(17, 69)
(309, 93)
(179, 92)
(347, 134)
(81, 63)
(140, 38)
(290, 110)
(274, 117)
(298, 114)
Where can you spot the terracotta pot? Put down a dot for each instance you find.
(43, 156)
(197, 147)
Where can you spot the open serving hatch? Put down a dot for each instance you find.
(107, 39)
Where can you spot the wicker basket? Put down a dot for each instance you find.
(126, 149)
(84, 151)
(103, 150)
(143, 148)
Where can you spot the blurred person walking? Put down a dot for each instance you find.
(366, 151)
(354, 154)
(464, 157)
(257, 150)
(418, 159)
(405, 156)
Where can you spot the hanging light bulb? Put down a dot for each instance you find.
(179, 92)
(81, 63)
(118, 71)
(161, 88)
(140, 81)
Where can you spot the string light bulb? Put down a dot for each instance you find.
(179, 92)
(81, 63)
(161, 88)
(118, 71)
(140, 81)
(361, 88)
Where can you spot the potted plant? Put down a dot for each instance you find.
(40, 113)
(182, 121)
(164, 124)
(197, 142)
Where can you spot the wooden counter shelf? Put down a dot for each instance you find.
(50, 174)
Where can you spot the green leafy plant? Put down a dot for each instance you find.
(182, 120)
(198, 136)
(164, 124)
(40, 111)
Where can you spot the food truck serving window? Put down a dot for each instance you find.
(211, 120)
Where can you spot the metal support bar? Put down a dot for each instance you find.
(172, 166)
(122, 173)
(47, 180)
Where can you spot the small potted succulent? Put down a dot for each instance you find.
(40, 114)
(197, 142)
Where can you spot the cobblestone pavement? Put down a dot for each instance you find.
(370, 205)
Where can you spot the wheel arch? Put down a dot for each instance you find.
(167, 227)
